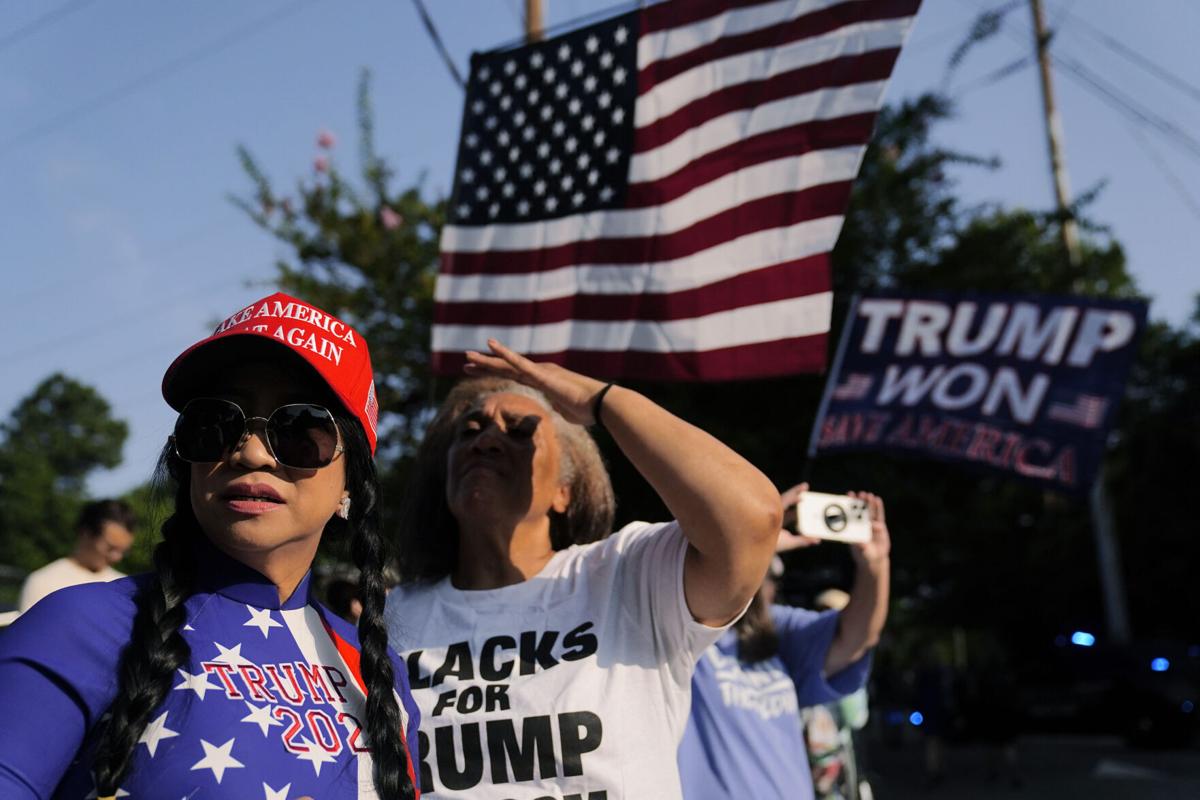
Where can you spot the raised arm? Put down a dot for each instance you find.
(727, 509)
(861, 621)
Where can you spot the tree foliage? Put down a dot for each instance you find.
(367, 253)
(55, 437)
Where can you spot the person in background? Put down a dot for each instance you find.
(103, 535)
(341, 595)
(829, 730)
(745, 736)
(550, 656)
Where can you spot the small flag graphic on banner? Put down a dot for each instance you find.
(1087, 411)
(855, 387)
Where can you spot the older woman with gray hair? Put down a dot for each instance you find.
(551, 659)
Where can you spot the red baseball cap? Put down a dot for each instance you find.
(336, 351)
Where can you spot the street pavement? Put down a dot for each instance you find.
(1076, 767)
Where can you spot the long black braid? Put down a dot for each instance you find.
(367, 547)
(156, 647)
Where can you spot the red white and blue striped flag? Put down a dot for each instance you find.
(655, 196)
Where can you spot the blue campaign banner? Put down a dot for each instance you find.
(1026, 385)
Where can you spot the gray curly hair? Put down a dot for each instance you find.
(428, 540)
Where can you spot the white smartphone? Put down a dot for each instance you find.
(829, 516)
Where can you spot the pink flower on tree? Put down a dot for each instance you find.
(390, 219)
(321, 164)
(326, 140)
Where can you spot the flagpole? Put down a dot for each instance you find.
(1108, 554)
(834, 371)
(1054, 136)
(533, 21)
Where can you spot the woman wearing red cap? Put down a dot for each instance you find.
(218, 675)
(549, 658)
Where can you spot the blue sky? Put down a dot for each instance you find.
(118, 123)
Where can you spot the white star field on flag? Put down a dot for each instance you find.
(539, 130)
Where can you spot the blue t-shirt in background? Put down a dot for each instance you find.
(744, 737)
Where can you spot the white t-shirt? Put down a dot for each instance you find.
(573, 685)
(59, 575)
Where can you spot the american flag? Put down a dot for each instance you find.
(854, 386)
(655, 196)
(1086, 412)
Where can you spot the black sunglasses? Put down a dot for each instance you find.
(299, 435)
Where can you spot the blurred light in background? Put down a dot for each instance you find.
(916, 718)
(1083, 639)
(1160, 665)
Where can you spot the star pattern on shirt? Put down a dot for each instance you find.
(217, 759)
(155, 732)
(198, 683)
(315, 755)
(540, 124)
(275, 794)
(261, 716)
(261, 618)
(230, 655)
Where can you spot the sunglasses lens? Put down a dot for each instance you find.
(303, 436)
(207, 429)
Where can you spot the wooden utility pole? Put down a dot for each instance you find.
(1058, 167)
(533, 20)
(1108, 556)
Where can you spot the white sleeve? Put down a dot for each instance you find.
(33, 589)
(650, 583)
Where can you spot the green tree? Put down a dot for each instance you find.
(368, 254)
(55, 437)
(152, 503)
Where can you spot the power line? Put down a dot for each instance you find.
(1168, 173)
(937, 37)
(45, 19)
(1135, 57)
(1126, 104)
(127, 317)
(155, 75)
(995, 76)
(438, 43)
(1118, 100)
